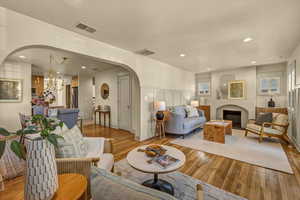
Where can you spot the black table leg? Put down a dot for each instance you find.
(159, 184)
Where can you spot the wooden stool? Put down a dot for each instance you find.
(160, 128)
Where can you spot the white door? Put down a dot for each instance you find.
(124, 103)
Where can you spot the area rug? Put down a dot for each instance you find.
(268, 154)
(184, 185)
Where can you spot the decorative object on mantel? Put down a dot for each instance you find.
(271, 103)
(10, 90)
(104, 91)
(160, 106)
(41, 172)
(236, 90)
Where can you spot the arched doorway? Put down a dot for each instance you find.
(37, 56)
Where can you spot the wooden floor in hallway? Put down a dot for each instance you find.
(246, 180)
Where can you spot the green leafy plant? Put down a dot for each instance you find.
(38, 125)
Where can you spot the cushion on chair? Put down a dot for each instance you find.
(96, 149)
(256, 128)
(281, 119)
(264, 117)
(106, 161)
(72, 146)
(107, 186)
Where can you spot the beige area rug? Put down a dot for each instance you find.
(268, 154)
(184, 185)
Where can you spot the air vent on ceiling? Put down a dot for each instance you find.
(145, 52)
(85, 27)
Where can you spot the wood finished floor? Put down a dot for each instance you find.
(246, 180)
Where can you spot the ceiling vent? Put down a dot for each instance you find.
(145, 52)
(85, 27)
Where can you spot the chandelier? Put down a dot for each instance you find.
(54, 81)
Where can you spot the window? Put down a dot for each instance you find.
(204, 88)
(269, 86)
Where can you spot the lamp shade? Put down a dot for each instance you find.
(160, 105)
(195, 103)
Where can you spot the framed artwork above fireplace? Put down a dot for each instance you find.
(236, 90)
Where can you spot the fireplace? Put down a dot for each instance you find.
(234, 116)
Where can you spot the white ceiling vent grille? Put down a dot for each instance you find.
(85, 27)
(145, 52)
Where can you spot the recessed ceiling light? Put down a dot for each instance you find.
(248, 39)
(182, 55)
(23, 57)
(83, 67)
(58, 72)
(253, 62)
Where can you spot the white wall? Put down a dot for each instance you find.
(294, 111)
(9, 117)
(273, 70)
(111, 78)
(251, 77)
(85, 95)
(151, 73)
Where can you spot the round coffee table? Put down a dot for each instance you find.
(138, 160)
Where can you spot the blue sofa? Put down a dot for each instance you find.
(178, 122)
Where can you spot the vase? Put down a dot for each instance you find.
(41, 181)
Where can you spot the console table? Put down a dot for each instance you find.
(104, 112)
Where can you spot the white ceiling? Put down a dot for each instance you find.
(209, 32)
(40, 59)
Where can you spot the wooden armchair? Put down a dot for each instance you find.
(267, 129)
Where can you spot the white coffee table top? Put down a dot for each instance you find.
(138, 160)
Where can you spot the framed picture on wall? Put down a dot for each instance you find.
(204, 88)
(10, 90)
(236, 90)
(269, 86)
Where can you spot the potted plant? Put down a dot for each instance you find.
(38, 151)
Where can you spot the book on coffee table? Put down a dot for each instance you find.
(165, 161)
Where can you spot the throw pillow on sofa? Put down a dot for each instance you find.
(73, 144)
(191, 111)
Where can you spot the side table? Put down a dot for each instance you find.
(160, 128)
(70, 187)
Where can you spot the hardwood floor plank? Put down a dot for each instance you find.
(246, 180)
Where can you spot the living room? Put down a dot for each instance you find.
(244, 74)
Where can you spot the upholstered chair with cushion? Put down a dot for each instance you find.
(74, 145)
(277, 127)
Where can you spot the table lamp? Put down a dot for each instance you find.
(160, 106)
(195, 103)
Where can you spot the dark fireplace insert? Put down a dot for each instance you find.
(234, 116)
